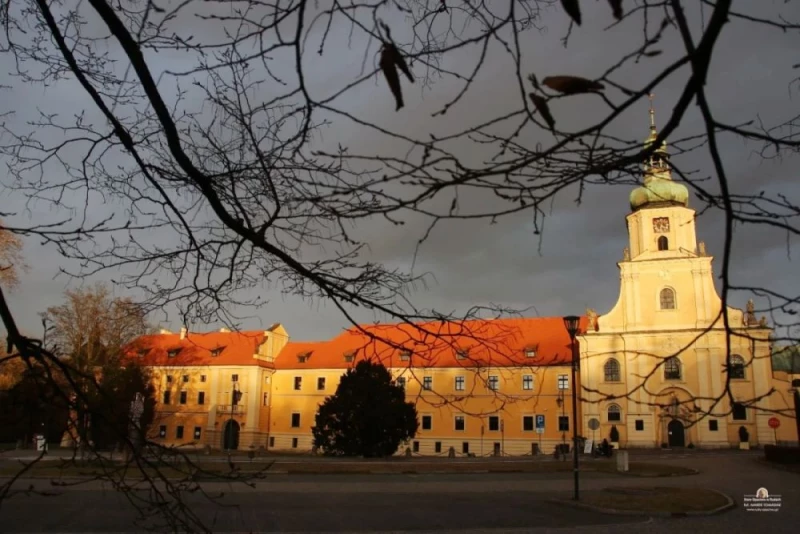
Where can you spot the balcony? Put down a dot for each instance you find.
(227, 409)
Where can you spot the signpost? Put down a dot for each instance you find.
(539, 429)
(774, 424)
(594, 424)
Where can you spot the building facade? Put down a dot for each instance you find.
(666, 366)
(669, 365)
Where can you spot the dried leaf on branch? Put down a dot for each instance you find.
(616, 8)
(391, 59)
(541, 106)
(573, 9)
(572, 85)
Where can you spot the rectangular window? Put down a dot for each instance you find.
(415, 446)
(459, 420)
(197, 432)
(295, 420)
(494, 423)
(437, 447)
(426, 422)
(294, 443)
(162, 431)
(183, 397)
(494, 382)
(460, 383)
(166, 397)
(201, 397)
(169, 379)
(185, 378)
(234, 378)
(739, 412)
(563, 423)
(527, 423)
(298, 383)
(405, 355)
(465, 447)
(713, 425)
(401, 381)
(321, 383)
(202, 378)
(266, 399)
(563, 381)
(179, 432)
(639, 425)
(527, 382)
(427, 382)
(272, 441)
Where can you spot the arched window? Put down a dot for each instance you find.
(663, 243)
(611, 370)
(737, 367)
(667, 298)
(672, 369)
(614, 413)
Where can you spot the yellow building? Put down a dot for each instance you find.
(656, 364)
(196, 375)
(479, 386)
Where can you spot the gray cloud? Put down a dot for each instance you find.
(574, 264)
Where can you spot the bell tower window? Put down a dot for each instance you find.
(663, 243)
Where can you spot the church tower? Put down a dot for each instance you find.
(666, 279)
(662, 352)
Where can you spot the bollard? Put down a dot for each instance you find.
(622, 461)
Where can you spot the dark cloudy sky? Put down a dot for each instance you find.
(571, 266)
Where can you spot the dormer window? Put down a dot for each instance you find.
(216, 352)
(462, 354)
(303, 357)
(405, 355)
(143, 352)
(171, 353)
(349, 357)
(530, 352)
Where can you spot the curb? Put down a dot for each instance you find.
(612, 511)
(660, 475)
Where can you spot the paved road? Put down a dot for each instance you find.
(495, 503)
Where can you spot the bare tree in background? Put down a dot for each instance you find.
(198, 177)
(12, 262)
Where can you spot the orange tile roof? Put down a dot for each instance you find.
(490, 342)
(235, 348)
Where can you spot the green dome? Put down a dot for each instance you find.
(659, 191)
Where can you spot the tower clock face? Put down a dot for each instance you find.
(661, 225)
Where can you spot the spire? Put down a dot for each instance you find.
(653, 132)
(657, 164)
(658, 188)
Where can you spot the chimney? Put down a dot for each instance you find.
(164, 331)
(224, 330)
(184, 332)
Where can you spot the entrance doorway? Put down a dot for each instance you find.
(230, 437)
(677, 434)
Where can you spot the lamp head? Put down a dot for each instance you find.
(572, 324)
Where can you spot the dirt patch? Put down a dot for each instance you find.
(655, 500)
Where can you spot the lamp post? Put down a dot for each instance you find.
(572, 323)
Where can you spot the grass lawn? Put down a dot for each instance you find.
(647, 500)
(245, 467)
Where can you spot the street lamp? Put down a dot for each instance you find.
(572, 324)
